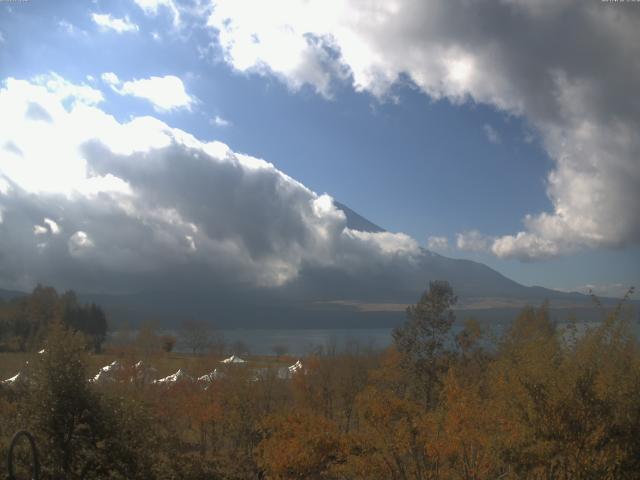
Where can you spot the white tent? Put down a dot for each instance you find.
(296, 367)
(285, 373)
(211, 376)
(179, 376)
(143, 372)
(208, 378)
(107, 372)
(233, 359)
(17, 379)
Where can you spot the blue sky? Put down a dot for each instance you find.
(411, 155)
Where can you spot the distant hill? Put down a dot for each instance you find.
(10, 294)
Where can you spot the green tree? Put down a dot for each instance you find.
(423, 336)
(81, 434)
(88, 319)
(61, 407)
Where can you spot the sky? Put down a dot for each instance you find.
(150, 138)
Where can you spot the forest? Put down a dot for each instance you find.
(24, 321)
(538, 402)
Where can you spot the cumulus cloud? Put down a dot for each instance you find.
(472, 241)
(62, 89)
(151, 7)
(165, 93)
(516, 56)
(119, 25)
(52, 226)
(437, 243)
(278, 39)
(118, 205)
(110, 78)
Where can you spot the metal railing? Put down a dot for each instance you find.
(35, 461)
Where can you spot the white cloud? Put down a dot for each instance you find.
(64, 89)
(70, 29)
(66, 26)
(614, 290)
(141, 203)
(40, 230)
(151, 7)
(472, 241)
(271, 38)
(1, 38)
(79, 243)
(492, 134)
(579, 106)
(4, 186)
(437, 243)
(118, 25)
(110, 78)
(53, 226)
(220, 122)
(165, 93)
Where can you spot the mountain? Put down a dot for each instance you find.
(325, 297)
(356, 221)
(331, 298)
(470, 279)
(10, 294)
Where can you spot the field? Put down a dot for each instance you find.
(165, 363)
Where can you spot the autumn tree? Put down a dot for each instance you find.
(298, 445)
(147, 340)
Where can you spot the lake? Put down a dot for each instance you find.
(304, 341)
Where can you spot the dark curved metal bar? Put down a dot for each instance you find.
(35, 462)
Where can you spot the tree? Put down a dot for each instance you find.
(97, 326)
(63, 410)
(299, 445)
(469, 337)
(197, 336)
(167, 342)
(422, 337)
(147, 340)
(81, 433)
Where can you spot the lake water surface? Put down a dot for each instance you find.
(304, 341)
(301, 342)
